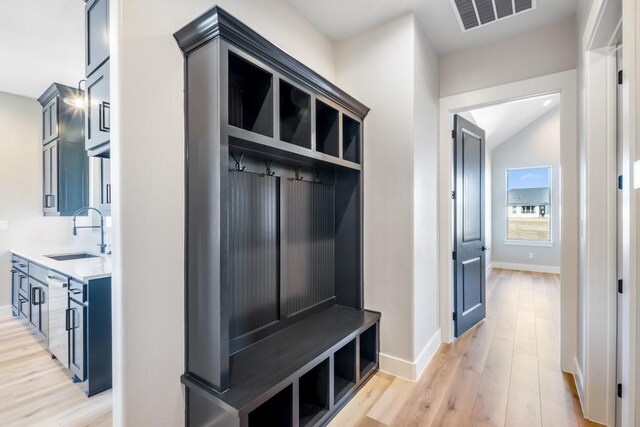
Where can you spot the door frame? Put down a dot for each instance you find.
(565, 84)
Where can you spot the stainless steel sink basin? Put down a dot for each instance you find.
(70, 257)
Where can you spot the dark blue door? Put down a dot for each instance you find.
(469, 271)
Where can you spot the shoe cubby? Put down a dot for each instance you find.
(295, 115)
(350, 139)
(327, 129)
(277, 411)
(368, 350)
(250, 96)
(344, 371)
(314, 394)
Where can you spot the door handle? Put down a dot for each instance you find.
(484, 249)
(67, 322)
(108, 188)
(104, 108)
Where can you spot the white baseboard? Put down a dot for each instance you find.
(427, 353)
(411, 370)
(5, 310)
(526, 267)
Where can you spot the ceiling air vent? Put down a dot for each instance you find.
(476, 13)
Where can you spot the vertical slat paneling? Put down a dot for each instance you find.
(311, 244)
(253, 251)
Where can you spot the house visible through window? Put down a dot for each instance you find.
(529, 204)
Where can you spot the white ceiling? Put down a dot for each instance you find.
(340, 19)
(41, 41)
(502, 121)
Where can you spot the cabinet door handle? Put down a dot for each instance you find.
(104, 110)
(108, 188)
(67, 326)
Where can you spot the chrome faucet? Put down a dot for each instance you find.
(103, 247)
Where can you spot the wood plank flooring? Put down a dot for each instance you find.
(504, 372)
(36, 391)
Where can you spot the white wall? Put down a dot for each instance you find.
(21, 191)
(425, 193)
(394, 71)
(376, 67)
(538, 144)
(535, 53)
(147, 162)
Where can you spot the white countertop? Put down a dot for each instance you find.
(84, 269)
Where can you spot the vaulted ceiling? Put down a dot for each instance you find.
(502, 121)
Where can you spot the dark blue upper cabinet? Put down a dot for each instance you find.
(50, 121)
(98, 114)
(97, 34)
(65, 165)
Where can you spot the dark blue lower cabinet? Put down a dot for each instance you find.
(76, 324)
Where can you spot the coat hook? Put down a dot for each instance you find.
(268, 165)
(298, 176)
(239, 166)
(319, 177)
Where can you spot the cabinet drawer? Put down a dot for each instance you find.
(78, 290)
(20, 264)
(38, 273)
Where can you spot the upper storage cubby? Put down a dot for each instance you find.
(350, 139)
(250, 96)
(295, 115)
(327, 129)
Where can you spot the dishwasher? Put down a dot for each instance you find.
(58, 322)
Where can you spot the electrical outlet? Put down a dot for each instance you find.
(530, 255)
(4, 225)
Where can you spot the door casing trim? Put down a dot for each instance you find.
(565, 84)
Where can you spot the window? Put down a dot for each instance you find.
(529, 204)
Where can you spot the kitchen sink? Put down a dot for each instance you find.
(70, 257)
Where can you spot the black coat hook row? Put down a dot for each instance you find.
(239, 166)
(269, 172)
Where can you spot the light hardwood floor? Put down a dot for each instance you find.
(503, 372)
(35, 391)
